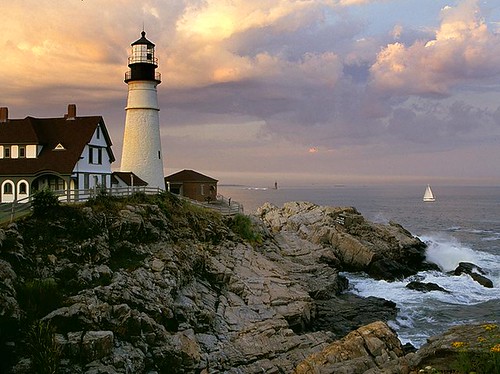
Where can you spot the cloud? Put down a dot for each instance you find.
(264, 82)
(463, 50)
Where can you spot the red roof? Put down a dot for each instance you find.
(73, 134)
(189, 176)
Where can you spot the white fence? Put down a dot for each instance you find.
(18, 208)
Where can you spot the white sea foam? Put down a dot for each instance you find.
(418, 312)
(447, 252)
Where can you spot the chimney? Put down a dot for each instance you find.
(4, 114)
(71, 111)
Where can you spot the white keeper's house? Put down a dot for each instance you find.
(67, 153)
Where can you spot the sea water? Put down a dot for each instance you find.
(463, 224)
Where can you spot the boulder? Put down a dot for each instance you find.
(425, 287)
(475, 272)
(87, 346)
(369, 347)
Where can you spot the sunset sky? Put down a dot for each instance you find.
(299, 91)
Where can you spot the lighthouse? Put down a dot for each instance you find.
(141, 152)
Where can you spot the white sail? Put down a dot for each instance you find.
(428, 195)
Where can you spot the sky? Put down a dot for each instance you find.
(303, 92)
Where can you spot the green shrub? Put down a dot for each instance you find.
(44, 201)
(43, 350)
(38, 297)
(243, 226)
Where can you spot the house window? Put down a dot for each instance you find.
(23, 188)
(6, 152)
(202, 191)
(22, 151)
(98, 134)
(92, 160)
(86, 181)
(8, 188)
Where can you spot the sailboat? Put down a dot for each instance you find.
(428, 195)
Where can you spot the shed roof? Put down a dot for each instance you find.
(126, 177)
(189, 176)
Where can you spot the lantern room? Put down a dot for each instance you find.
(142, 61)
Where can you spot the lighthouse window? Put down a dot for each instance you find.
(6, 152)
(149, 56)
(22, 152)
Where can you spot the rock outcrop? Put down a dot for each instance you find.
(367, 349)
(383, 251)
(375, 349)
(162, 287)
(144, 287)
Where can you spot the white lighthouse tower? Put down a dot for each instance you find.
(141, 153)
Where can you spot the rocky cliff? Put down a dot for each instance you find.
(153, 285)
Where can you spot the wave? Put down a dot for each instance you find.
(423, 314)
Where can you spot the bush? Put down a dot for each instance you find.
(44, 201)
(39, 297)
(243, 226)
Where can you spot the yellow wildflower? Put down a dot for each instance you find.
(495, 348)
(490, 326)
(458, 344)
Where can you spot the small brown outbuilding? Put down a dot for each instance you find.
(191, 184)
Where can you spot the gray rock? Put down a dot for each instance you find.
(475, 272)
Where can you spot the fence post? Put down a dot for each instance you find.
(12, 211)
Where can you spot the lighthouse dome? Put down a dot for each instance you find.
(143, 40)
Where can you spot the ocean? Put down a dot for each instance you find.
(463, 224)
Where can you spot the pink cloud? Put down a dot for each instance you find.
(463, 50)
